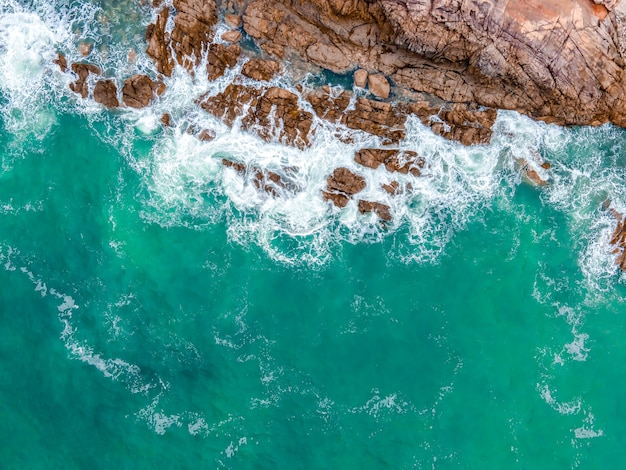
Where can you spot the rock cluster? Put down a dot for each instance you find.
(341, 185)
(401, 161)
(467, 124)
(265, 180)
(273, 113)
(558, 60)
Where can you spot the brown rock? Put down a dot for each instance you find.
(273, 113)
(166, 120)
(360, 78)
(159, 44)
(618, 239)
(220, 58)
(338, 199)
(510, 55)
(105, 93)
(234, 21)
(138, 91)
(381, 210)
(61, 61)
(266, 180)
(392, 188)
(378, 85)
(83, 71)
(343, 180)
(394, 160)
(193, 31)
(232, 36)
(261, 70)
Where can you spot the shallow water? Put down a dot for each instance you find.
(156, 306)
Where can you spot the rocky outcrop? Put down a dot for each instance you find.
(193, 31)
(105, 93)
(467, 124)
(401, 161)
(221, 57)
(140, 90)
(558, 60)
(261, 70)
(82, 71)
(381, 210)
(273, 113)
(341, 185)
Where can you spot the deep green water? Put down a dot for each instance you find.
(156, 311)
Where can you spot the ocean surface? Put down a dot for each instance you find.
(158, 311)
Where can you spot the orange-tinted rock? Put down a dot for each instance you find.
(84, 48)
(374, 117)
(193, 30)
(266, 180)
(259, 69)
(232, 36)
(206, 135)
(273, 113)
(402, 161)
(61, 61)
(378, 85)
(105, 93)
(618, 239)
(345, 181)
(381, 210)
(360, 78)
(392, 188)
(234, 21)
(139, 91)
(166, 120)
(338, 199)
(159, 44)
(220, 58)
(83, 71)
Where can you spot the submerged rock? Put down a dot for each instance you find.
(618, 239)
(381, 210)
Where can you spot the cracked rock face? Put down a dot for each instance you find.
(556, 60)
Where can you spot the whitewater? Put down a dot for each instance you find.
(159, 308)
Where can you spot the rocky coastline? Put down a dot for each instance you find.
(450, 64)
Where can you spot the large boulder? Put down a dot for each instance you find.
(139, 91)
(105, 93)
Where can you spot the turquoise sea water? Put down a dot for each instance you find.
(156, 310)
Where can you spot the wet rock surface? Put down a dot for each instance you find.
(139, 91)
(401, 161)
(273, 113)
(220, 58)
(267, 181)
(105, 93)
(381, 210)
(261, 70)
(618, 239)
(83, 71)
